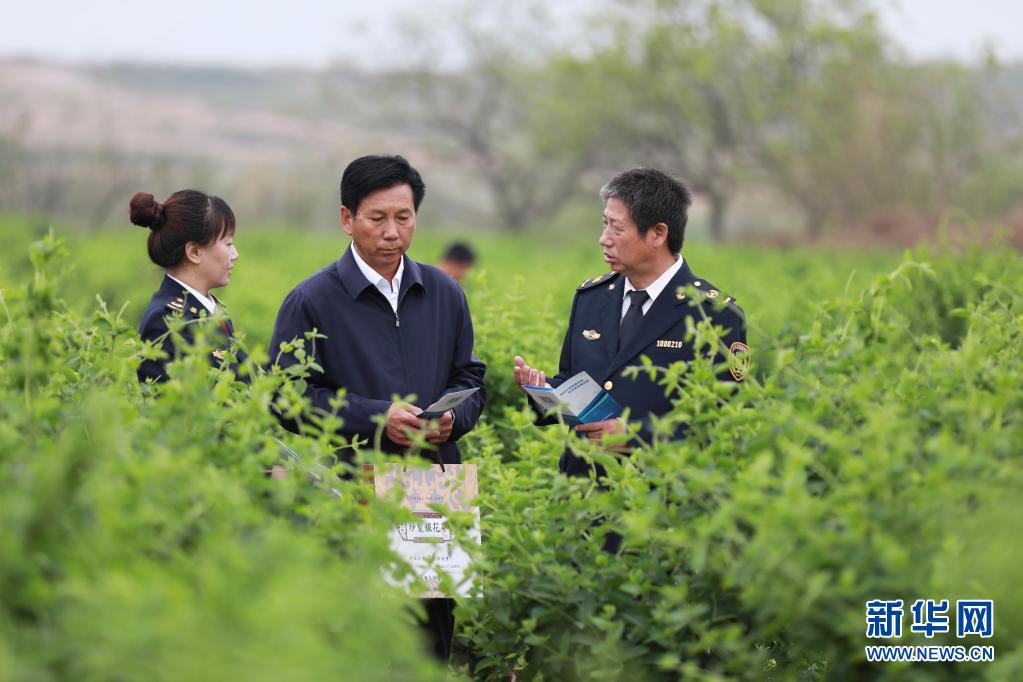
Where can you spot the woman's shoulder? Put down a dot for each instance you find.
(164, 302)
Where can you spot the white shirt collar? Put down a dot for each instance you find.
(655, 288)
(207, 302)
(388, 289)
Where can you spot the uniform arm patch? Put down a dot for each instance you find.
(738, 360)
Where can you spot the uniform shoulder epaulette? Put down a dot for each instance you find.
(707, 288)
(712, 294)
(177, 304)
(590, 283)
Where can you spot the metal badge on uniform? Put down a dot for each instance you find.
(192, 310)
(219, 353)
(591, 334)
(738, 360)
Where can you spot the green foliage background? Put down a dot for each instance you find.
(873, 453)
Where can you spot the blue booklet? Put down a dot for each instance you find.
(581, 400)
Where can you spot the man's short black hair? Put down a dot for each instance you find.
(653, 197)
(367, 174)
(460, 252)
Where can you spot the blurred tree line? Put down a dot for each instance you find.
(809, 99)
(801, 114)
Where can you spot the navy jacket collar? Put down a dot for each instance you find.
(170, 287)
(171, 290)
(355, 282)
(683, 277)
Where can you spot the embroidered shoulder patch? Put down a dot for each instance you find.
(738, 360)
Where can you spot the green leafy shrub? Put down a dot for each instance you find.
(877, 459)
(874, 452)
(140, 536)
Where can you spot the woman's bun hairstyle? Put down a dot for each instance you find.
(186, 216)
(146, 211)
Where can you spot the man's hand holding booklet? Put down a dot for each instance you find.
(581, 399)
(446, 402)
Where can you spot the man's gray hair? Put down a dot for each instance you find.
(652, 197)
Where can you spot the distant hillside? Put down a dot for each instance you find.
(232, 115)
(277, 137)
(301, 92)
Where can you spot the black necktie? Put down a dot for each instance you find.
(633, 316)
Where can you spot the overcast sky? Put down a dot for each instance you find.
(314, 32)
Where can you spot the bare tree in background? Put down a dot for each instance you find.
(690, 105)
(486, 106)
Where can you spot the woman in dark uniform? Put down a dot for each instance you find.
(191, 236)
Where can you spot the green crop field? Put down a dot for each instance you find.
(874, 452)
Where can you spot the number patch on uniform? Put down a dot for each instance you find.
(665, 343)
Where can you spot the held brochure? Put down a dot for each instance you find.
(581, 399)
(427, 544)
(446, 402)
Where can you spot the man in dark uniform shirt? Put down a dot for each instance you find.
(393, 327)
(639, 309)
(177, 298)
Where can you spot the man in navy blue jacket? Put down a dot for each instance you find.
(394, 327)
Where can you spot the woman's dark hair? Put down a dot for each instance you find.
(185, 216)
(367, 174)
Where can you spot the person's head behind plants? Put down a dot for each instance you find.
(457, 260)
